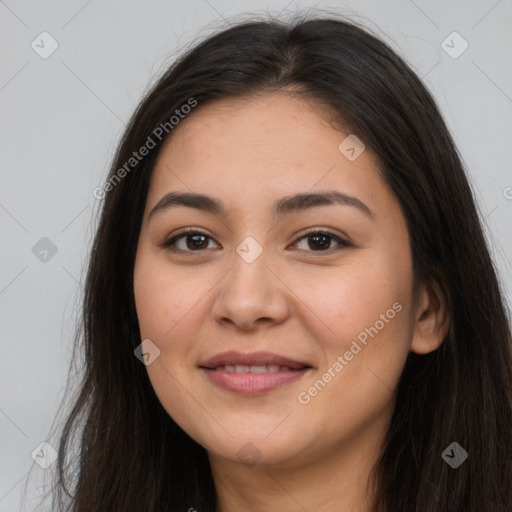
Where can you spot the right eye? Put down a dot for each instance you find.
(194, 241)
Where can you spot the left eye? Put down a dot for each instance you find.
(319, 241)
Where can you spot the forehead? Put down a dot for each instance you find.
(280, 125)
(248, 149)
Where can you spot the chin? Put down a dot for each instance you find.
(251, 448)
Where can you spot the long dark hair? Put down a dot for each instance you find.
(132, 456)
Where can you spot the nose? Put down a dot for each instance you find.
(251, 295)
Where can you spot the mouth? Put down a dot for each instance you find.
(253, 374)
(266, 368)
(255, 360)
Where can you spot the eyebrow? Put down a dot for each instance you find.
(289, 204)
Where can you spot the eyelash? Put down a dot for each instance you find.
(168, 244)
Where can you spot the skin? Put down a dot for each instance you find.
(294, 300)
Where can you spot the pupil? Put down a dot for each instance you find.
(194, 244)
(316, 237)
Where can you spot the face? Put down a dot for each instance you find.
(325, 284)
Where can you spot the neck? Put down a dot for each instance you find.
(333, 478)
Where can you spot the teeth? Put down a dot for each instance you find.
(242, 368)
(258, 369)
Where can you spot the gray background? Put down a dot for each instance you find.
(62, 116)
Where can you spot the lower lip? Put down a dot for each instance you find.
(248, 383)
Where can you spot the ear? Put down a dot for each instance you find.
(432, 319)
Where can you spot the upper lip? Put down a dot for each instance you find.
(233, 358)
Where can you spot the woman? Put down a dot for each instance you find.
(290, 303)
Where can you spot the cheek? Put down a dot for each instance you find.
(166, 305)
(157, 307)
(172, 306)
(163, 296)
(366, 306)
(349, 298)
